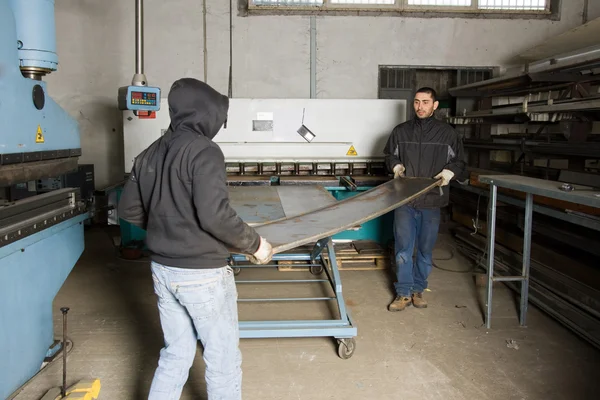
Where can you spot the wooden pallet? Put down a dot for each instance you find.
(356, 256)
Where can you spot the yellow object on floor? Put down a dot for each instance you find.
(91, 386)
(87, 389)
(79, 396)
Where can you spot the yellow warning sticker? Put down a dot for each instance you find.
(351, 151)
(39, 137)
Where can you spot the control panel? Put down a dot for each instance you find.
(139, 98)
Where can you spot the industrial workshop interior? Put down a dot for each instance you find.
(300, 199)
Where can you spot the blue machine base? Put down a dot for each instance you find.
(32, 271)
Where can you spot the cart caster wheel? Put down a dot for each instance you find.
(346, 348)
(316, 270)
(236, 271)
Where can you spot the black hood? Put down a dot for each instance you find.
(197, 107)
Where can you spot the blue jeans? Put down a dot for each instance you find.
(197, 304)
(414, 226)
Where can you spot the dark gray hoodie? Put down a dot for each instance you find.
(177, 187)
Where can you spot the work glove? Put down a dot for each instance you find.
(446, 175)
(399, 170)
(264, 254)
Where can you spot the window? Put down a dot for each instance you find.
(513, 5)
(446, 3)
(288, 3)
(465, 6)
(376, 2)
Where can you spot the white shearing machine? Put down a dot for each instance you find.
(284, 139)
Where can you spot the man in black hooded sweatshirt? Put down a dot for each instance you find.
(177, 192)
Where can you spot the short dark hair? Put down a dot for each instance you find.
(429, 91)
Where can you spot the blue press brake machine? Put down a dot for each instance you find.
(41, 235)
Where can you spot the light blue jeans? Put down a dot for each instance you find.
(197, 304)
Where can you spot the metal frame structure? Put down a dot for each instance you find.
(531, 187)
(342, 329)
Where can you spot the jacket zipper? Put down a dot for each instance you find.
(420, 138)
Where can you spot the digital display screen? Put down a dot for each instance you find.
(143, 98)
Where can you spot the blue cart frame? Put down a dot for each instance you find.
(342, 329)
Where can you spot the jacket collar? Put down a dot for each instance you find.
(425, 122)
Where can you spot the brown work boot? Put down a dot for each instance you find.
(418, 300)
(399, 303)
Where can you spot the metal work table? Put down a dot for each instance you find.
(531, 187)
(257, 205)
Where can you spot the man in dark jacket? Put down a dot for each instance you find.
(421, 147)
(177, 192)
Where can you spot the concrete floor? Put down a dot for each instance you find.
(442, 352)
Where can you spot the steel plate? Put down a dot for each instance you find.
(289, 233)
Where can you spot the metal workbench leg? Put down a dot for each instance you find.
(491, 221)
(526, 257)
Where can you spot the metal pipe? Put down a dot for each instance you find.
(64, 311)
(289, 299)
(230, 88)
(285, 281)
(526, 256)
(490, 262)
(204, 41)
(139, 37)
(508, 278)
(313, 57)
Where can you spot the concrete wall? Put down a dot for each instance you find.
(95, 42)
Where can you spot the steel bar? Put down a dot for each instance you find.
(490, 263)
(292, 324)
(275, 265)
(526, 256)
(139, 37)
(64, 311)
(508, 278)
(267, 300)
(285, 281)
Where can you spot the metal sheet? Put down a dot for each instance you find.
(289, 233)
(256, 204)
(260, 205)
(297, 200)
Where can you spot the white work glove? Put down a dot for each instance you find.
(399, 170)
(446, 175)
(264, 254)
